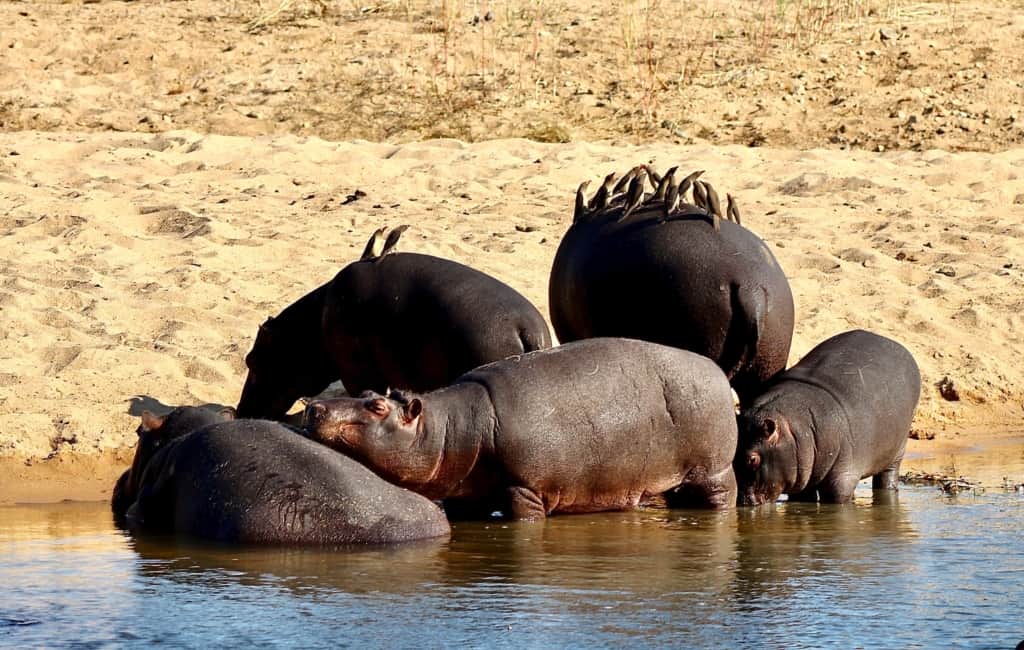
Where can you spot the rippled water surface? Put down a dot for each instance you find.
(929, 571)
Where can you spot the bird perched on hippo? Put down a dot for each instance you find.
(205, 475)
(599, 424)
(648, 265)
(390, 319)
(841, 414)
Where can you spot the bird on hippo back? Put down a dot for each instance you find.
(649, 265)
(389, 319)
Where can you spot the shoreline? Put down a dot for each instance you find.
(80, 477)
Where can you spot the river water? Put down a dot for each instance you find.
(928, 571)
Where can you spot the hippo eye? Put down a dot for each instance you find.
(378, 407)
(754, 461)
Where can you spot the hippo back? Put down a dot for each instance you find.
(613, 391)
(676, 281)
(255, 481)
(413, 321)
(871, 377)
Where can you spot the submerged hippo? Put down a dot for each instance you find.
(600, 424)
(399, 320)
(648, 266)
(842, 414)
(255, 481)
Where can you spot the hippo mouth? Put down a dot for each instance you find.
(756, 496)
(347, 436)
(752, 499)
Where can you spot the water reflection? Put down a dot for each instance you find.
(924, 571)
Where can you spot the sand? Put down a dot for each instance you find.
(136, 266)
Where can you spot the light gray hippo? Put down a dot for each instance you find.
(599, 424)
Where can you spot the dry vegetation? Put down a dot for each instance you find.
(875, 74)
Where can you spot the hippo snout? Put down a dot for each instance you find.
(314, 414)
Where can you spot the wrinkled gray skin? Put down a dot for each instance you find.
(601, 424)
(840, 415)
(679, 282)
(259, 482)
(403, 320)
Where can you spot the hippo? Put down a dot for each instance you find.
(259, 482)
(649, 266)
(599, 424)
(841, 414)
(390, 319)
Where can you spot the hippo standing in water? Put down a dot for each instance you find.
(255, 481)
(647, 266)
(840, 415)
(399, 320)
(595, 425)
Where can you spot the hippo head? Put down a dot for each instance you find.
(382, 431)
(154, 432)
(766, 460)
(281, 369)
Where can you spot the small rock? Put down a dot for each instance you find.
(917, 434)
(1017, 200)
(887, 34)
(947, 271)
(526, 228)
(947, 390)
(353, 197)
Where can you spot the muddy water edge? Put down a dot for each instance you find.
(928, 570)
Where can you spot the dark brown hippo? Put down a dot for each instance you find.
(401, 320)
(646, 265)
(840, 415)
(600, 424)
(259, 482)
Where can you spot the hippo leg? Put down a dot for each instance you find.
(526, 504)
(464, 510)
(839, 489)
(807, 496)
(889, 478)
(702, 491)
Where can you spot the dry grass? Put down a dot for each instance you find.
(773, 72)
(483, 56)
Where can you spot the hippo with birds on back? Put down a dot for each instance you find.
(206, 475)
(648, 265)
(841, 414)
(390, 319)
(600, 424)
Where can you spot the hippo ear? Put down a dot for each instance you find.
(413, 409)
(151, 422)
(263, 333)
(227, 414)
(772, 431)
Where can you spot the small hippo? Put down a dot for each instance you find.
(255, 481)
(600, 424)
(840, 415)
(399, 320)
(646, 265)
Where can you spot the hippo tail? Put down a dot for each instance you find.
(532, 340)
(747, 323)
